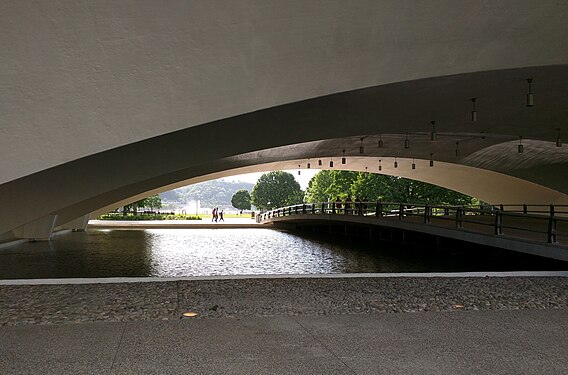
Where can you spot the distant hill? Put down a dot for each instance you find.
(215, 193)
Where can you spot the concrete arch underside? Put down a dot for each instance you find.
(120, 101)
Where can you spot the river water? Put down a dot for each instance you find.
(210, 252)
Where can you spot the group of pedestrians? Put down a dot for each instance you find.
(217, 215)
(359, 205)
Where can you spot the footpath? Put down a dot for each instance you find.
(244, 222)
(342, 324)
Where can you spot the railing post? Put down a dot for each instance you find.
(379, 210)
(501, 207)
(446, 211)
(551, 229)
(498, 223)
(551, 226)
(313, 208)
(525, 209)
(427, 214)
(323, 208)
(304, 208)
(400, 212)
(459, 218)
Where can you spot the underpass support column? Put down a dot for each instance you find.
(38, 230)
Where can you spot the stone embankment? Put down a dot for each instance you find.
(167, 300)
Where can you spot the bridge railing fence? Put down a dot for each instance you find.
(547, 223)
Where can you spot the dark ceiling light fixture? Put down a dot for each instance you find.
(457, 148)
(431, 160)
(361, 148)
(320, 163)
(381, 143)
(413, 164)
(530, 97)
(433, 135)
(380, 166)
(309, 165)
(520, 147)
(406, 141)
(558, 139)
(331, 162)
(473, 111)
(299, 166)
(395, 163)
(343, 160)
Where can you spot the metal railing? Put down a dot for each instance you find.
(546, 223)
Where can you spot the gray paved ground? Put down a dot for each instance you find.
(366, 325)
(464, 342)
(166, 300)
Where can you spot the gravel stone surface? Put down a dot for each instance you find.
(74, 303)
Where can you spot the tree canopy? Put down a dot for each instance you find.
(153, 202)
(241, 200)
(276, 189)
(372, 187)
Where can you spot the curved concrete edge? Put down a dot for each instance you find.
(116, 280)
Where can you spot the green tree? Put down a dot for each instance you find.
(330, 185)
(276, 189)
(150, 202)
(380, 187)
(241, 200)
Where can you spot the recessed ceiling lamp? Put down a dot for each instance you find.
(309, 165)
(331, 162)
(395, 163)
(433, 135)
(558, 139)
(530, 98)
(366, 172)
(361, 148)
(520, 147)
(413, 164)
(343, 160)
(473, 111)
(431, 160)
(299, 169)
(320, 163)
(380, 166)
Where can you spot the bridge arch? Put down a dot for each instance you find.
(105, 102)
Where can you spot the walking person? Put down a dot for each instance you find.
(337, 205)
(348, 204)
(221, 216)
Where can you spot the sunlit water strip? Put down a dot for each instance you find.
(104, 253)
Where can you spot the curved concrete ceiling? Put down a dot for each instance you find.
(104, 101)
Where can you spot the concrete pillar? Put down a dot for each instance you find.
(40, 229)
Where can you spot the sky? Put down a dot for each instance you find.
(303, 179)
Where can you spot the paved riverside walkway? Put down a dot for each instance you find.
(288, 325)
(244, 222)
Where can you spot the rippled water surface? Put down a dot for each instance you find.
(204, 252)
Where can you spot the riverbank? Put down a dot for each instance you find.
(172, 224)
(280, 296)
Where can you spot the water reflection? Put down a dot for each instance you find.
(200, 252)
(204, 252)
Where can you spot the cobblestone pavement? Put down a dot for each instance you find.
(167, 300)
